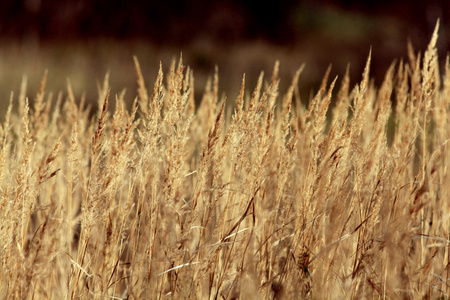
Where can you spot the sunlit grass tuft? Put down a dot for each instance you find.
(260, 197)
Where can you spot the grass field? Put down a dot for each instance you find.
(258, 197)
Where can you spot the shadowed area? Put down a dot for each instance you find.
(83, 40)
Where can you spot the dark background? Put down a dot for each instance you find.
(84, 39)
(176, 22)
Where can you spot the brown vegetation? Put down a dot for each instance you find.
(261, 198)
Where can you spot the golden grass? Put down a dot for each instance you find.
(262, 198)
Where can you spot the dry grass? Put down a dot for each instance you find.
(262, 198)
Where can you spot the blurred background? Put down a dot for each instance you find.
(84, 39)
